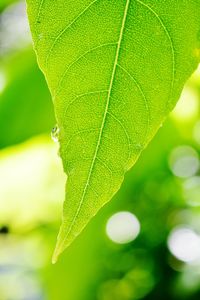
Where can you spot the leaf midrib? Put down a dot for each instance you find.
(104, 117)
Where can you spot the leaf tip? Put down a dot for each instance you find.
(54, 259)
(56, 253)
(60, 245)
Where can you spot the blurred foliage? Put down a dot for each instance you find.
(32, 191)
(25, 108)
(5, 3)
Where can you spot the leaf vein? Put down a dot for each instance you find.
(143, 96)
(170, 41)
(58, 89)
(125, 131)
(65, 29)
(104, 118)
(82, 95)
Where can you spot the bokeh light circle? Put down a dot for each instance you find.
(184, 161)
(184, 244)
(123, 227)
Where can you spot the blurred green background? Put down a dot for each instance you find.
(145, 244)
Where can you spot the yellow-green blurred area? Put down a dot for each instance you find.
(145, 244)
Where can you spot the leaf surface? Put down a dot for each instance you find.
(115, 69)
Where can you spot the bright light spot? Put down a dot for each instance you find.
(123, 227)
(2, 82)
(192, 191)
(184, 244)
(184, 161)
(197, 72)
(14, 29)
(187, 106)
(31, 182)
(196, 75)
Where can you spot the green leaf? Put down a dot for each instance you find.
(115, 69)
